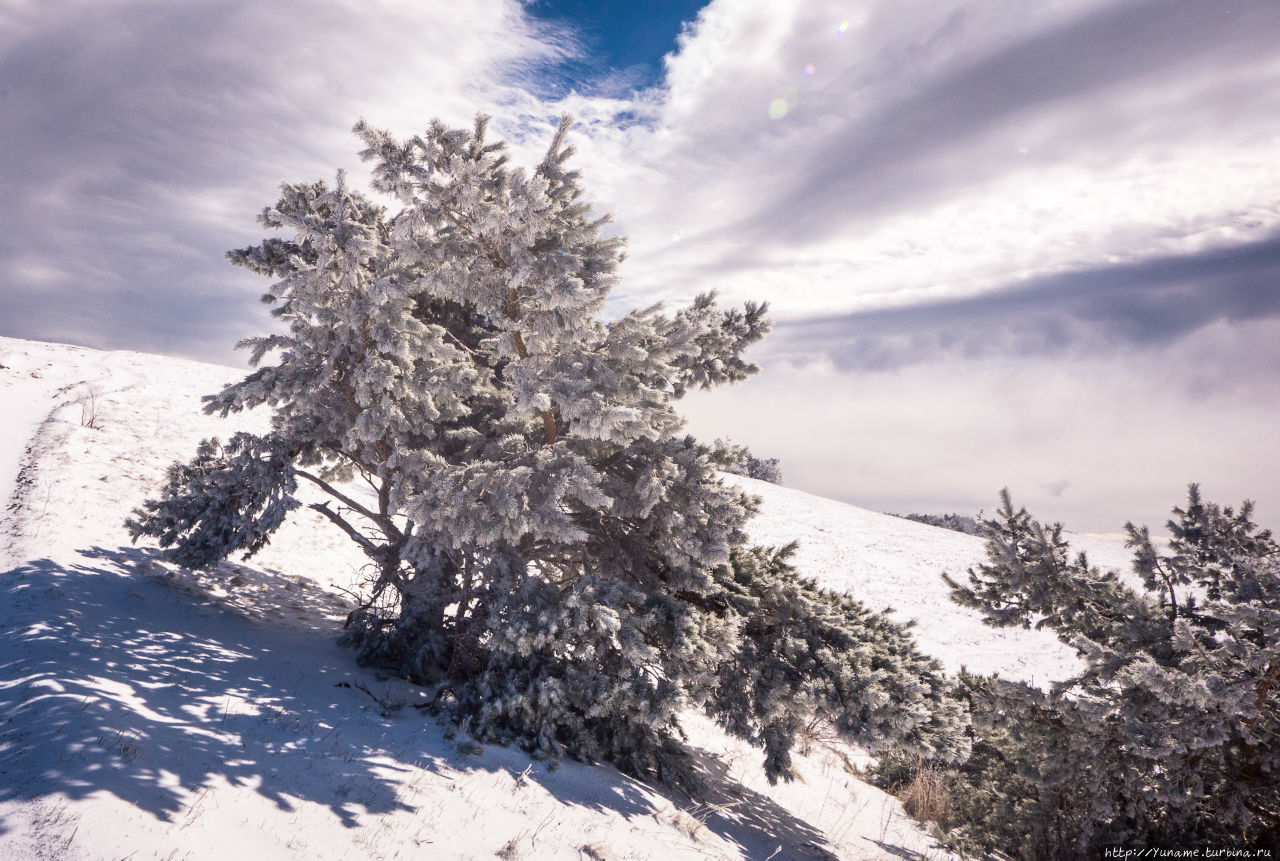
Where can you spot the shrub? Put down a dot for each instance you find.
(1171, 734)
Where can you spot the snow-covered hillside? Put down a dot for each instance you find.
(150, 712)
(892, 563)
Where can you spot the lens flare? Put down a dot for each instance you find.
(843, 28)
(778, 109)
(810, 70)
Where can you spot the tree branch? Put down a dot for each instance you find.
(549, 430)
(382, 520)
(1168, 582)
(371, 550)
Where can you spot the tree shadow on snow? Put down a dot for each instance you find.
(119, 675)
(755, 822)
(899, 851)
(120, 682)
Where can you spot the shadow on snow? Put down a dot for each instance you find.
(120, 677)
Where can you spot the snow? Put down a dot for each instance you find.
(147, 711)
(890, 563)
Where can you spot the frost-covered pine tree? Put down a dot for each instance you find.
(739, 460)
(548, 549)
(1171, 734)
(809, 655)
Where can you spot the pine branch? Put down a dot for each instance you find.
(382, 520)
(371, 550)
(549, 429)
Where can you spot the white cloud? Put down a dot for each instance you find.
(141, 138)
(941, 148)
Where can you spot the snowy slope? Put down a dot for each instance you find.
(149, 712)
(892, 563)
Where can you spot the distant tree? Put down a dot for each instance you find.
(547, 549)
(961, 523)
(1171, 734)
(739, 460)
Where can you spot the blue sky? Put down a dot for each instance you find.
(621, 44)
(1006, 243)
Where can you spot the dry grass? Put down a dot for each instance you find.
(927, 798)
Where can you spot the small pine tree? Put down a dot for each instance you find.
(739, 460)
(1172, 731)
(548, 549)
